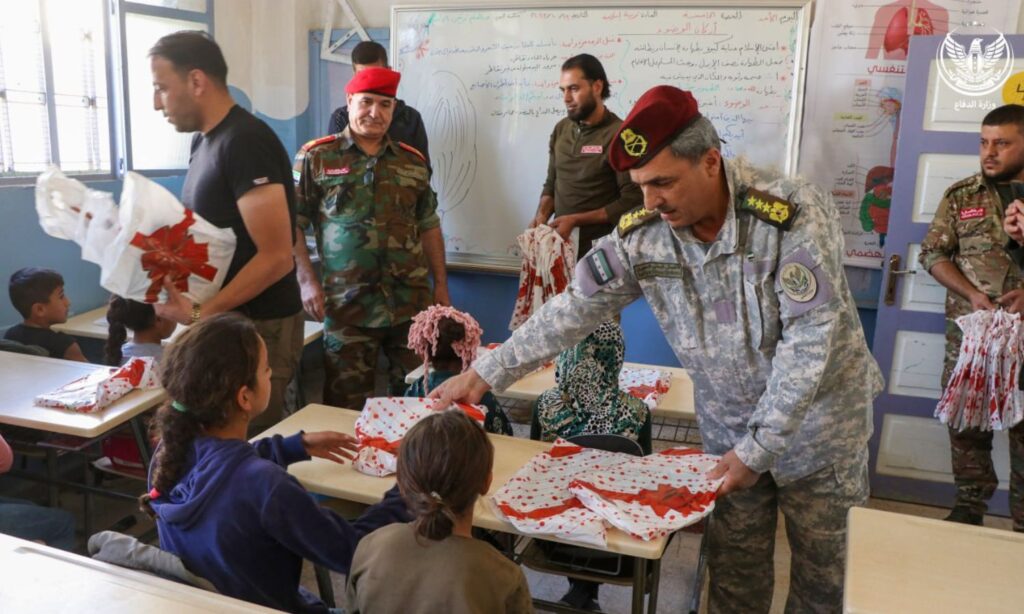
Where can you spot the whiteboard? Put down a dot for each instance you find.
(485, 80)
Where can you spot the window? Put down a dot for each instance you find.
(75, 87)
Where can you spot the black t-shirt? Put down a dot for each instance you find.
(56, 344)
(239, 154)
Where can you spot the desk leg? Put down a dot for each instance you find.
(652, 602)
(51, 477)
(639, 584)
(141, 440)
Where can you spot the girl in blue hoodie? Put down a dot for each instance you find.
(226, 507)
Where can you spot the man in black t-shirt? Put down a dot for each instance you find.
(239, 177)
(406, 122)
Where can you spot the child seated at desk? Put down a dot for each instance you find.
(434, 564)
(148, 331)
(586, 399)
(51, 526)
(446, 339)
(226, 507)
(38, 295)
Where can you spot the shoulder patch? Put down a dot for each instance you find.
(320, 141)
(413, 150)
(631, 220)
(769, 208)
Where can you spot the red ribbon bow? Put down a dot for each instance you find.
(172, 253)
(661, 500)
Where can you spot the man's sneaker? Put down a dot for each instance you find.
(965, 515)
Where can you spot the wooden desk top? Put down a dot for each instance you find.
(343, 482)
(906, 564)
(93, 325)
(38, 578)
(23, 377)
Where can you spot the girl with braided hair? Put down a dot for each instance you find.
(226, 507)
(148, 331)
(433, 564)
(446, 340)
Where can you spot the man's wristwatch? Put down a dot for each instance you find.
(196, 312)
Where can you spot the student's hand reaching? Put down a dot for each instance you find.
(331, 445)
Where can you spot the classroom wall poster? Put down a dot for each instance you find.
(854, 95)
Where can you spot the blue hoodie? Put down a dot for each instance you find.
(239, 520)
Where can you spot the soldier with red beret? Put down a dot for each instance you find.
(374, 215)
(742, 267)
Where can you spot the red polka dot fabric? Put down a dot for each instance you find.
(383, 423)
(576, 493)
(98, 390)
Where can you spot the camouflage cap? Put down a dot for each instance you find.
(657, 117)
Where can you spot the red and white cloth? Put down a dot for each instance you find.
(576, 493)
(645, 384)
(654, 495)
(983, 391)
(548, 262)
(537, 500)
(383, 423)
(149, 238)
(101, 388)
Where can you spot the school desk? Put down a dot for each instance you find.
(907, 564)
(676, 404)
(93, 325)
(38, 578)
(510, 454)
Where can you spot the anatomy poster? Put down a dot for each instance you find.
(854, 95)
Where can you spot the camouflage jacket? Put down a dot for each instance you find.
(968, 231)
(761, 318)
(368, 214)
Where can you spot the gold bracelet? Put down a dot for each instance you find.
(196, 312)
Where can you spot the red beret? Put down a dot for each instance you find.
(656, 119)
(375, 80)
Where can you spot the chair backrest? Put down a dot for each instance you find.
(126, 551)
(609, 443)
(6, 345)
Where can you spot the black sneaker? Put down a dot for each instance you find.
(965, 515)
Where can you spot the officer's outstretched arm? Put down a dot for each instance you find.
(602, 286)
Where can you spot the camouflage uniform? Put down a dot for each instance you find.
(368, 213)
(968, 231)
(788, 384)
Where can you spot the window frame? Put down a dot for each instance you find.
(124, 159)
(118, 105)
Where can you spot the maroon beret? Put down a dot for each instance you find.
(656, 119)
(375, 80)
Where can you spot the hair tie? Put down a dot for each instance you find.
(154, 493)
(179, 407)
(436, 497)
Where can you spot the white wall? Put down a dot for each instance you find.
(265, 42)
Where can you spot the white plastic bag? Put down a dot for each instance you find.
(59, 202)
(98, 227)
(159, 239)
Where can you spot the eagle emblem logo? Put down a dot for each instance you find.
(976, 65)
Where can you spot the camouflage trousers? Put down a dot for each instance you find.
(975, 475)
(741, 538)
(351, 361)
